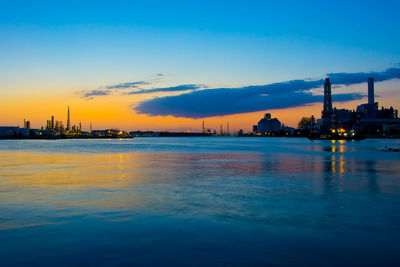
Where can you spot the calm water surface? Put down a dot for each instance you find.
(199, 201)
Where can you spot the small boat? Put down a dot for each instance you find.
(389, 149)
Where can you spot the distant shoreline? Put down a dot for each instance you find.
(61, 138)
(163, 136)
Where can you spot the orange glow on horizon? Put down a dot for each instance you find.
(115, 111)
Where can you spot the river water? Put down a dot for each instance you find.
(199, 201)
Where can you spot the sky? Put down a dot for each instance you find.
(169, 65)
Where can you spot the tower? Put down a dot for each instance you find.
(371, 110)
(27, 124)
(52, 122)
(68, 121)
(371, 97)
(203, 130)
(326, 113)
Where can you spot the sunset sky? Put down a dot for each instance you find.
(169, 65)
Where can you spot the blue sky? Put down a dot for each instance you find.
(251, 40)
(85, 45)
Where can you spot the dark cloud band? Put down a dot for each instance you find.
(227, 101)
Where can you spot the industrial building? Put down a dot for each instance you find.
(268, 125)
(367, 120)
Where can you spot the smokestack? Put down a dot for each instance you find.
(371, 96)
(68, 121)
(327, 99)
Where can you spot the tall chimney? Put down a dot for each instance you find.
(371, 96)
(68, 121)
(327, 99)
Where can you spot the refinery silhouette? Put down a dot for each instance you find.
(367, 120)
(55, 129)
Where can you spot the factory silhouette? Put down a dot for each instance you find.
(54, 129)
(366, 121)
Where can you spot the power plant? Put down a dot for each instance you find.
(366, 121)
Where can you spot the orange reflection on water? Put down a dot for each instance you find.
(68, 183)
(337, 165)
(338, 146)
(20, 169)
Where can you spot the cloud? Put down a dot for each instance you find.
(360, 77)
(227, 101)
(178, 88)
(126, 85)
(102, 91)
(220, 102)
(96, 93)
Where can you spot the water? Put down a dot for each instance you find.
(199, 201)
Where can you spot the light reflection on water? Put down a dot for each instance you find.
(183, 201)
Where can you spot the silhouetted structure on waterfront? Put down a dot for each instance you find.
(68, 121)
(268, 125)
(27, 124)
(327, 111)
(367, 120)
(54, 129)
(14, 132)
(205, 130)
(372, 106)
